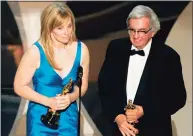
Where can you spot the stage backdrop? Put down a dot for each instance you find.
(96, 28)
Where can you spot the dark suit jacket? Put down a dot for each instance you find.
(161, 91)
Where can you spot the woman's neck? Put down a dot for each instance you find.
(59, 45)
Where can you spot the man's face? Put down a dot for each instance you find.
(140, 32)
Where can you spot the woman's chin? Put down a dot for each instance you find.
(65, 42)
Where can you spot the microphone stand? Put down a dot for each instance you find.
(80, 74)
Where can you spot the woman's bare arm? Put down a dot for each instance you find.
(85, 65)
(27, 67)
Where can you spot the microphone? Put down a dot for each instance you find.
(79, 76)
(80, 72)
(79, 84)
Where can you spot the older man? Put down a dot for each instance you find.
(145, 71)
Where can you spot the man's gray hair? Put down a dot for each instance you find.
(144, 11)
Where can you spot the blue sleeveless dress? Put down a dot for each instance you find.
(47, 82)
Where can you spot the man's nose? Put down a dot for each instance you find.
(136, 34)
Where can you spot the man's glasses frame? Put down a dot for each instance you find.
(139, 32)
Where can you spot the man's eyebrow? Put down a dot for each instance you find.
(141, 29)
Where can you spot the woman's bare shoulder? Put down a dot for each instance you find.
(84, 47)
(85, 53)
(31, 55)
(32, 51)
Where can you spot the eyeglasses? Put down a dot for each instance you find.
(140, 32)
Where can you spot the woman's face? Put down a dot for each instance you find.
(62, 34)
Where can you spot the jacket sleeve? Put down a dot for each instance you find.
(172, 95)
(176, 98)
(107, 85)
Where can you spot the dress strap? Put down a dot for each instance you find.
(79, 51)
(39, 47)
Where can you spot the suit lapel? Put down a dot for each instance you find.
(125, 64)
(145, 75)
(142, 88)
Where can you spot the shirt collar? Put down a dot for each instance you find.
(146, 49)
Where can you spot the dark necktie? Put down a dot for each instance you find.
(140, 52)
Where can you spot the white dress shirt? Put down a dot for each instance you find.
(135, 70)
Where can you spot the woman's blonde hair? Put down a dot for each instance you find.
(54, 15)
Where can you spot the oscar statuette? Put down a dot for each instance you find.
(130, 106)
(51, 118)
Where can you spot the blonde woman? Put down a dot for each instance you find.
(50, 63)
